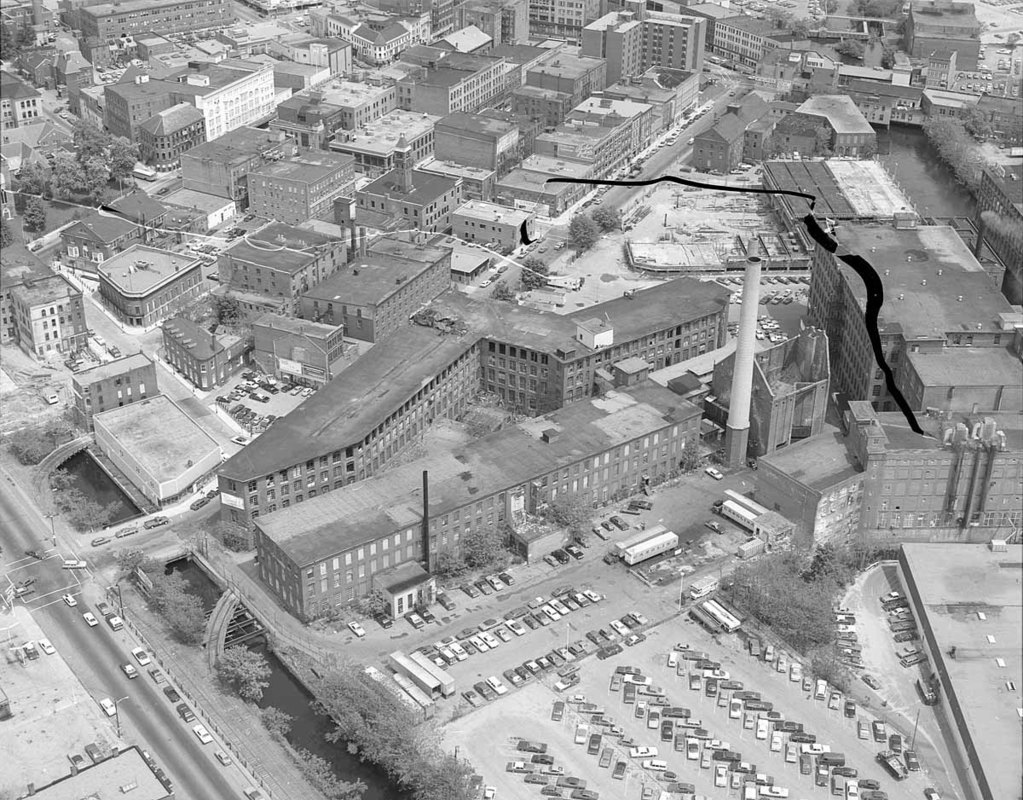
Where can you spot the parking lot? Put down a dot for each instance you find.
(255, 401)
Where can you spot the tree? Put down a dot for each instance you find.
(825, 664)
(322, 776)
(6, 237)
(82, 512)
(583, 232)
(373, 603)
(573, 514)
(34, 215)
(822, 145)
(502, 291)
(67, 177)
(227, 310)
(234, 537)
(888, 57)
(245, 671)
(481, 548)
(1012, 38)
(851, 48)
(534, 273)
(122, 159)
(131, 558)
(607, 219)
(976, 122)
(33, 178)
(90, 141)
(830, 6)
(449, 566)
(276, 721)
(779, 16)
(95, 176)
(182, 611)
(956, 148)
(801, 28)
(30, 445)
(690, 459)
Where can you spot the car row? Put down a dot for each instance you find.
(542, 771)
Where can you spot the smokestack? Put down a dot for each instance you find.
(737, 429)
(426, 519)
(355, 244)
(362, 242)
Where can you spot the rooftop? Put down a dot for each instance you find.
(615, 21)
(104, 228)
(302, 327)
(476, 123)
(200, 201)
(953, 585)
(606, 107)
(238, 145)
(933, 286)
(364, 511)
(964, 367)
(309, 167)
(380, 136)
(712, 10)
(111, 369)
(378, 278)
(172, 119)
(199, 342)
(491, 212)
(281, 247)
(49, 288)
(467, 39)
(160, 437)
(760, 27)
(840, 111)
(818, 462)
(140, 269)
(341, 93)
(433, 166)
(567, 65)
(14, 88)
(844, 189)
(127, 768)
(426, 187)
(1009, 180)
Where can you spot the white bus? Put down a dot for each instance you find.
(703, 587)
(744, 502)
(742, 517)
(728, 621)
(144, 173)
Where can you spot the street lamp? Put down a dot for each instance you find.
(53, 533)
(117, 714)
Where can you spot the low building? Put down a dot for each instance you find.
(477, 141)
(721, 148)
(302, 188)
(167, 134)
(270, 269)
(143, 286)
(48, 315)
(213, 209)
(20, 104)
(381, 289)
(206, 359)
(221, 166)
(530, 185)
(344, 539)
(546, 106)
(112, 385)
(303, 352)
(158, 447)
(96, 238)
(477, 183)
(851, 134)
(500, 228)
(125, 766)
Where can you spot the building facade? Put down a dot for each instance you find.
(49, 316)
(143, 286)
(205, 359)
(1000, 221)
(112, 385)
(303, 352)
(166, 135)
(221, 166)
(302, 188)
(20, 104)
(500, 228)
(114, 23)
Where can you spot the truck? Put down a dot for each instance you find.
(893, 764)
(703, 587)
(570, 282)
(655, 545)
(636, 538)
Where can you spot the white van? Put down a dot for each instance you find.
(115, 622)
(820, 691)
(673, 659)
(74, 564)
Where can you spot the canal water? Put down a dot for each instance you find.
(95, 484)
(924, 178)
(308, 729)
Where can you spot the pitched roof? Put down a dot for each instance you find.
(138, 206)
(172, 119)
(728, 129)
(13, 88)
(101, 228)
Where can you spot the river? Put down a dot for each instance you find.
(924, 178)
(95, 484)
(308, 729)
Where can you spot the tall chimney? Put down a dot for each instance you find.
(426, 519)
(362, 241)
(355, 244)
(737, 428)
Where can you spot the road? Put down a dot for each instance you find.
(96, 655)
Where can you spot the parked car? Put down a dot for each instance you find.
(155, 522)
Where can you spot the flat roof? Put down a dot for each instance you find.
(363, 512)
(238, 145)
(436, 167)
(199, 201)
(817, 462)
(49, 288)
(301, 327)
(310, 167)
(952, 583)
(492, 212)
(838, 188)
(140, 269)
(426, 187)
(917, 255)
(869, 188)
(567, 65)
(111, 369)
(606, 106)
(477, 123)
(840, 111)
(127, 768)
(158, 435)
(381, 136)
(972, 366)
(378, 278)
(1009, 180)
(341, 93)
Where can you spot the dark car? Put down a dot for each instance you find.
(155, 522)
(185, 712)
(445, 601)
(606, 526)
(172, 695)
(33, 554)
(483, 586)
(470, 590)
(530, 622)
(619, 523)
(850, 709)
(895, 744)
(197, 504)
(508, 579)
(912, 762)
(561, 556)
(383, 621)
(426, 614)
(573, 551)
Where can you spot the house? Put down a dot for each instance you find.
(95, 238)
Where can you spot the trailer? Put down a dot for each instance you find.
(414, 692)
(742, 517)
(657, 544)
(570, 282)
(729, 621)
(426, 681)
(743, 501)
(703, 587)
(394, 690)
(637, 538)
(447, 683)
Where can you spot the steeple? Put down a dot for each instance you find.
(403, 163)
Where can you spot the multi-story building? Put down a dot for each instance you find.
(114, 25)
(504, 21)
(635, 40)
(1000, 222)
(531, 183)
(477, 184)
(15, 269)
(271, 268)
(441, 82)
(546, 106)
(142, 286)
(635, 117)
(376, 38)
(48, 315)
(301, 188)
(232, 93)
(944, 25)
(111, 385)
(574, 75)
(500, 228)
(711, 12)
(381, 289)
(337, 548)
(943, 317)
(127, 104)
(668, 91)
(562, 19)
(221, 166)
(375, 147)
(743, 40)
(20, 104)
(851, 134)
(313, 117)
(533, 361)
(303, 352)
(167, 134)
(477, 141)
(90, 241)
(721, 147)
(206, 359)
(334, 55)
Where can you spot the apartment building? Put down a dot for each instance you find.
(562, 19)
(112, 385)
(440, 82)
(313, 117)
(535, 362)
(48, 315)
(206, 359)
(167, 134)
(270, 269)
(221, 166)
(477, 141)
(546, 106)
(336, 548)
(377, 293)
(14, 271)
(944, 317)
(744, 39)
(20, 104)
(504, 21)
(142, 286)
(301, 188)
(303, 352)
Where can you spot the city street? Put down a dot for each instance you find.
(96, 655)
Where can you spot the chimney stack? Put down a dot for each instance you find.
(355, 245)
(426, 519)
(362, 242)
(737, 428)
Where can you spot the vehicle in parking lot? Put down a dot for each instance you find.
(172, 694)
(90, 619)
(714, 473)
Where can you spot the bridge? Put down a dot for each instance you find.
(229, 624)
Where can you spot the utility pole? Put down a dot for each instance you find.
(912, 742)
(53, 533)
(117, 714)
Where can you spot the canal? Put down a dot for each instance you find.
(285, 692)
(924, 178)
(95, 484)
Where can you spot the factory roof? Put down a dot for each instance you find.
(964, 367)
(309, 167)
(840, 111)
(381, 136)
(140, 269)
(121, 769)
(933, 285)
(818, 462)
(160, 437)
(280, 250)
(112, 369)
(711, 10)
(372, 279)
(969, 598)
(476, 123)
(567, 65)
(607, 107)
(435, 167)
(844, 189)
(491, 212)
(47, 288)
(950, 99)
(390, 502)
(340, 93)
